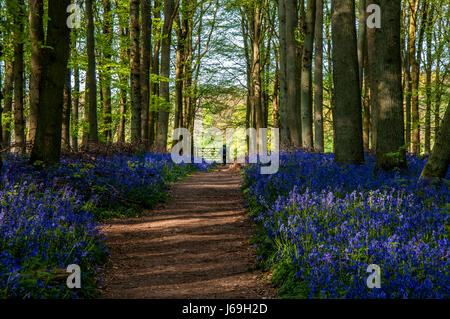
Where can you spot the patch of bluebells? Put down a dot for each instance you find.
(330, 222)
(48, 217)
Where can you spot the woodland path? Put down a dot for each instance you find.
(194, 246)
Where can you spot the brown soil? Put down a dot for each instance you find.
(194, 246)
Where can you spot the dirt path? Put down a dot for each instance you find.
(195, 246)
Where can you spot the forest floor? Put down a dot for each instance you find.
(194, 246)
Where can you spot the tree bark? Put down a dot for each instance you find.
(91, 98)
(67, 103)
(163, 118)
(371, 59)
(283, 112)
(106, 83)
(19, 122)
(36, 8)
(390, 125)
(135, 68)
(318, 79)
(7, 108)
(291, 58)
(306, 81)
(47, 145)
(439, 161)
(145, 68)
(349, 143)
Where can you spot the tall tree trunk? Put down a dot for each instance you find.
(123, 79)
(291, 60)
(163, 118)
(36, 8)
(362, 21)
(439, 161)
(67, 103)
(283, 111)
(306, 81)
(428, 80)
(371, 59)
(91, 98)
(256, 69)
(276, 88)
(136, 98)
(318, 79)
(154, 85)
(55, 56)
(75, 99)
(106, 83)
(408, 92)
(349, 142)
(366, 105)
(19, 122)
(145, 68)
(390, 126)
(415, 137)
(7, 108)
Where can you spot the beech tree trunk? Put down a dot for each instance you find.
(291, 58)
(306, 81)
(55, 56)
(390, 126)
(283, 112)
(163, 118)
(439, 161)
(36, 8)
(318, 79)
(67, 103)
(135, 77)
(145, 68)
(106, 83)
(19, 122)
(91, 97)
(7, 106)
(349, 142)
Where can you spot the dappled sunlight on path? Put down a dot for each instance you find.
(195, 246)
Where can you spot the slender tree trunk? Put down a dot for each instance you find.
(390, 127)
(318, 79)
(256, 70)
(362, 18)
(19, 122)
(67, 103)
(439, 161)
(408, 84)
(145, 68)
(7, 108)
(366, 105)
(371, 59)
(106, 83)
(154, 85)
(276, 88)
(291, 58)
(47, 145)
(415, 137)
(91, 98)
(75, 101)
(306, 81)
(36, 8)
(428, 81)
(123, 79)
(349, 142)
(135, 64)
(283, 111)
(163, 118)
